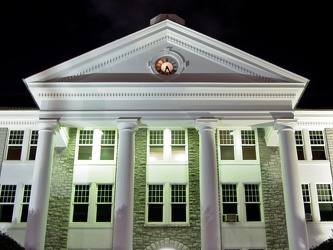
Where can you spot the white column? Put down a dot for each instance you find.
(40, 190)
(295, 216)
(123, 216)
(209, 203)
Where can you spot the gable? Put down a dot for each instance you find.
(120, 75)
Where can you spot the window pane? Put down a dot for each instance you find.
(85, 152)
(107, 153)
(156, 137)
(103, 213)
(14, 153)
(227, 153)
(229, 208)
(6, 213)
(177, 137)
(300, 153)
(229, 193)
(155, 212)
(318, 153)
(248, 137)
(253, 212)
(226, 137)
(249, 152)
(178, 153)
(156, 153)
(326, 211)
(178, 213)
(24, 213)
(32, 153)
(80, 213)
(86, 137)
(307, 208)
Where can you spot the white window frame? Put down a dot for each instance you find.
(306, 194)
(253, 202)
(25, 200)
(238, 146)
(8, 200)
(305, 143)
(167, 146)
(241, 205)
(327, 198)
(230, 199)
(92, 205)
(96, 146)
(25, 144)
(167, 205)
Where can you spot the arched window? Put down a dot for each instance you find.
(167, 244)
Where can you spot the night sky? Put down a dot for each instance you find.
(37, 35)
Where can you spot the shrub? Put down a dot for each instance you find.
(8, 243)
(326, 245)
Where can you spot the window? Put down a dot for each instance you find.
(237, 145)
(155, 203)
(81, 203)
(325, 202)
(96, 145)
(248, 145)
(167, 145)
(299, 145)
(7, 199)
(25, 203)
(252, 202)
(15, 143)
(227, 146)
(317, 145)
(107, 144)
(104, 203)
(178, 203)
(307, 202)
(33, 145)
(92, 203)
(167, 203)
(310, 145)
(229, 202)
(22, 145)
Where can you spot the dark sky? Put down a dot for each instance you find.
(295, 35)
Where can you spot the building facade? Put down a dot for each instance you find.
(166, 139)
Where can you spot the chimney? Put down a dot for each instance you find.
(171, 17)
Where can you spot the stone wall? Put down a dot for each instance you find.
(3, 139)
(60, 195)
(272, 192)
(145, 237)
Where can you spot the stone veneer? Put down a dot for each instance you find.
(153, 237)
(60, 195)
(272, 192)
(3, 139)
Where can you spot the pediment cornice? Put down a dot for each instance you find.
(166, 95)
(133, 50)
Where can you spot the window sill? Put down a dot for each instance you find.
(167, 163)
(254, 224)
(90, 225)
(234, 162)
(84, 162)
(167, 225)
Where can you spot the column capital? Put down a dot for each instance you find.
(51, 125)
(127, 123)
(282, 124)
(206, 124)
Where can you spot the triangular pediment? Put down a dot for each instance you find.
(121, 74)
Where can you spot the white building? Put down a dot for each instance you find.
(166, 139)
